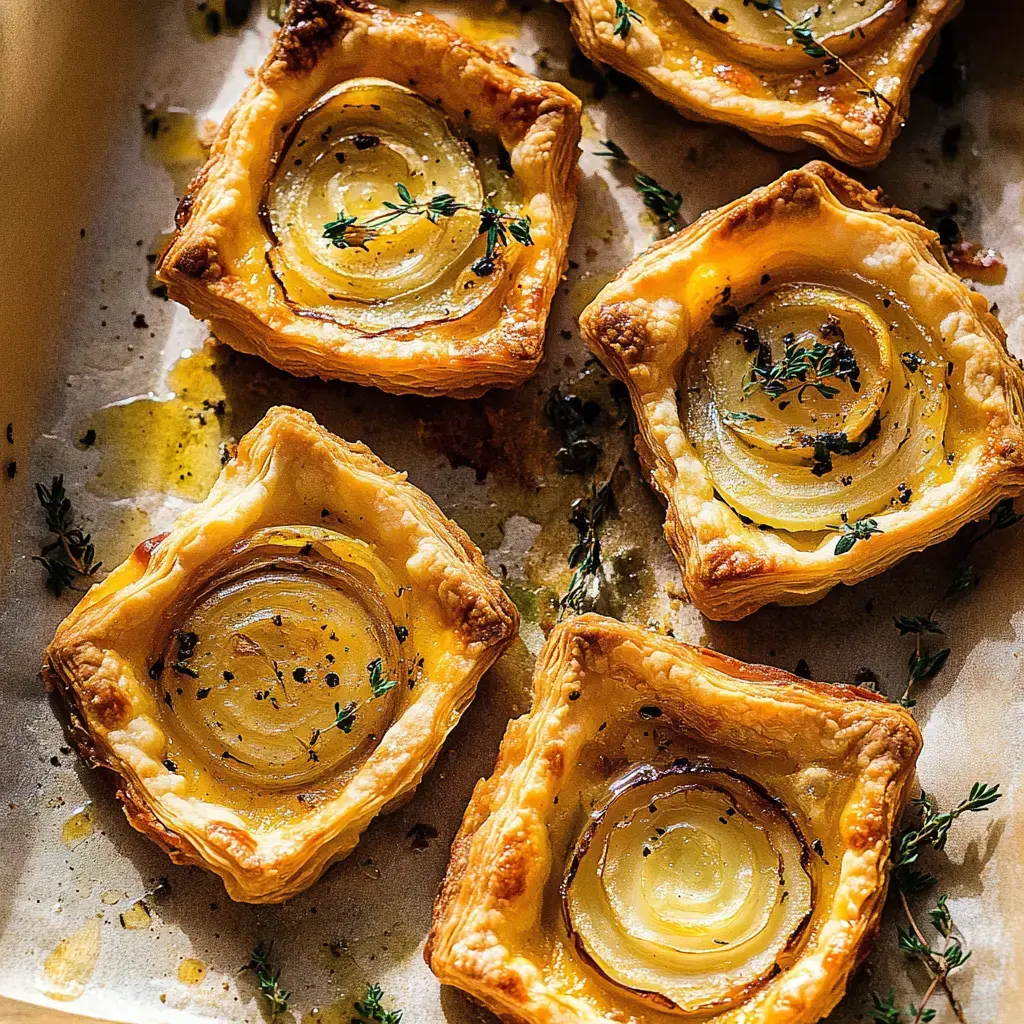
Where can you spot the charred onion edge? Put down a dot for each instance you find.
(682, 767)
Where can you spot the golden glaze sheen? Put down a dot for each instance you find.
(611, 699)
(925, 437)
(285, 663)
(352, 101)
(729, 62)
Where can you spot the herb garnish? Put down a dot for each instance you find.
(942, 959)
(585, 558)
(267, 979)
(379, 685)
(369, 1010)
(348, 233)
(741, 417)
(814, 48)
(71, 556)
(662, 202)
(851, 533)
(612, 150)
(624, 16)
(802, 367)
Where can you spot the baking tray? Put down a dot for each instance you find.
(87, 345)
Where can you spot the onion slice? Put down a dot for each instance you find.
(348, 156)
(857, 430)
(691, 888)
(762, 38)
(271, 670)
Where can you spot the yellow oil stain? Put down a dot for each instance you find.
(492, 25)
(67, 969)
(137, 917)
(168, 443)
(79, 826)
(171, 138)
(191, 971)
(110, 897)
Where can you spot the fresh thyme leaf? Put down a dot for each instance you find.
(345, 717)
(379, 684)
(624, 16)
(853, 532)
(612, 150)
(884, 1012)
(660, 201)
(741, 417)
(71, 557)
(916, 624)
(924, 665)
(370, 1011)
(585, 558)
(267, 979)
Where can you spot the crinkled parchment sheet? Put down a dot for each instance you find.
(83, 205)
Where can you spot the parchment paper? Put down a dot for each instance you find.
(85, 201)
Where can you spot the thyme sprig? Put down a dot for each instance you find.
(662, 202)
(817, 50)
(942, 958)
(585, 558)
(803, 367)
(71, 557)
(267, 979)
(369, 1010)
(345, 714)
(624, 18)
(862, 529)
(345, 232)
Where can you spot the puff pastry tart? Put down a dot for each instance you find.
(285, 663)
(388, 203)
(671, 833)
(837, 74)
(818, 395)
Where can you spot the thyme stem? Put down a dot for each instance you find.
(813, 47)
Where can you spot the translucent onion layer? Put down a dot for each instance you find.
(844, 26)
(346, 156)
(789, 454)
(282, 638)
(691, 888)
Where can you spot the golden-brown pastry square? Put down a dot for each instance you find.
(840, 79)
(388, 203)
(817, 394)
(285, 663)
(659, 804)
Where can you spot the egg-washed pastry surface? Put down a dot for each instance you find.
(836, 74)
(388, 203)
(285, 663)
(817, 394)
(670, 833)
